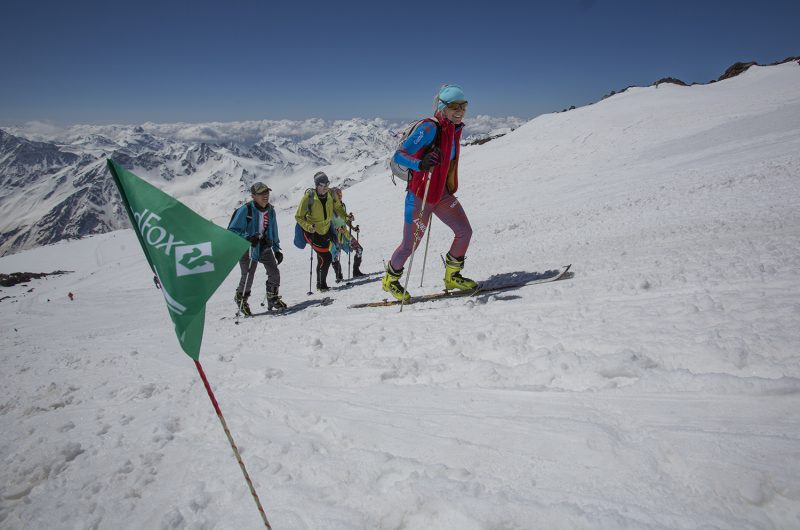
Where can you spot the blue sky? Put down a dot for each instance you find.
(200, 61)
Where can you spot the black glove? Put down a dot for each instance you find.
(278, 256)
(253, 240)
(430, 160)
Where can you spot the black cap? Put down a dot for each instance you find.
(321, 178)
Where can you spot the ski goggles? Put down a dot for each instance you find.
(457, 105)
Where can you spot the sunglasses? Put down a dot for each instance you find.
(457, 105)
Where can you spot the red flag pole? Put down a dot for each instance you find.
(233, 445)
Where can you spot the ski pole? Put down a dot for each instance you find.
(357, 231)
(310, 267)
(416, 238)
(349, 276)
(246, 280)
(425, 256)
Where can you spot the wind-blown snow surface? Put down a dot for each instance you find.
(658, 388)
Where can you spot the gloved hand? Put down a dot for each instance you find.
(430, 160)
(253, 240)
(278, 256)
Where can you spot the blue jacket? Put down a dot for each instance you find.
(239, 225)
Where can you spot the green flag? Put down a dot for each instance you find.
(190, 255)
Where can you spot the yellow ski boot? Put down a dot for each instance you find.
(391, 283)
(452, 275)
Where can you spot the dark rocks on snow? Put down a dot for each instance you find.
(739, 68)
(7, 280)
(732, 71)
(672, 80)
(736, 69)
(481, 141)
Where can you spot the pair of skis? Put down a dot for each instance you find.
(500, 282)
(496, 283)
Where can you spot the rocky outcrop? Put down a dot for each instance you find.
(670, 80)
(15, 278)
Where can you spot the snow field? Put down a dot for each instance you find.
(658, 388)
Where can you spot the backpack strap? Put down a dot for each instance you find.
(249, 213)
(438, 134)
(310, 201)
(432, 145)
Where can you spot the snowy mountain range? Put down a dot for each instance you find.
(55, 186)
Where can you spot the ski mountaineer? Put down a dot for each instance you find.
(256, 222)
(344, 240)
(315, 215)
(431, 152)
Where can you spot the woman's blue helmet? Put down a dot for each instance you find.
(448, 94)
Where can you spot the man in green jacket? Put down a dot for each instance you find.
(314, 215)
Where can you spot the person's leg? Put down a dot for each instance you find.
(274, 300)
(323, 264)
(357, 250)
(337, 267)
(248, 269)
(356, 267)
(413, 227)
(321, 244)
(271, 266)
(451, 213)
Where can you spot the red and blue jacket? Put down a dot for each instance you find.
(417, 145)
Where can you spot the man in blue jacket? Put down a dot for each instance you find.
(255, 221)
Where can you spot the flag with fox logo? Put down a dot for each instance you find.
(190, 255)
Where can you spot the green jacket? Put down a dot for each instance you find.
(317, 215)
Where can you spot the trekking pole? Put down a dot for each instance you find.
(310, 267)
(357, 231)
(416, 239)
(349, 276)
(352, 238)
(425, 256)
(246, 280)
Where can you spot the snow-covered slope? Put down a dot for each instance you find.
(658, 388)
